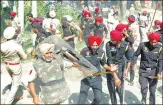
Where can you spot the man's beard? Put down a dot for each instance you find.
(48, 59)
(93, 51)
(113, 44)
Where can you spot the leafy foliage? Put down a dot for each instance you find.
(42, 8)
(62, 10)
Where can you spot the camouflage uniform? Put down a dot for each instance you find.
(54, 89)
(68, 31)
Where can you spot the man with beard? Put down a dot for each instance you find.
(86, 24)
(116, 49)
(50, 68)
(150, 65)
(96, 57)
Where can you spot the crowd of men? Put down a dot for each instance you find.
(116, 55)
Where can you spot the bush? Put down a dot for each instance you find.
(62, 10)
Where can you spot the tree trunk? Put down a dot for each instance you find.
(14, 7)
(34, 8)
(123, 5)
(21, 13)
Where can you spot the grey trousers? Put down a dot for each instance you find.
(144, 81)
(15, 72)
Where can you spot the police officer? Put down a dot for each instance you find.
(96, 57)
(129, 38)
(15, 22)
(150, 65)
(143, 26)
(97, 12)
(86, 25)
(115, 50)
(12, 53)
(69, 32)
(100, 28)
(49, 69)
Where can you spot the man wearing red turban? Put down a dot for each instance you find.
(131, 19)
(150, 65)
(100, 28)
(130, 38)
(15, 22)
(97, 12)
(86, 25)
(96, 57)
(116, 49)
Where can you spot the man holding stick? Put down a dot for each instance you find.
(150, 65)
(96, 57)
(115, 50)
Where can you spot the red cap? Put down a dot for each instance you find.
(116, 35)
(83, 11)
(98, 19)
(93, 39)
(157, 22)
(144, 13)
(87, 14)
(97, 9)
(121, 27)
(154, 36)
(131, 19)
(12, 13)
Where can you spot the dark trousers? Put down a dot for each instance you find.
(97, 90)
(132, 73)
(112, 89)
(144, 81)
